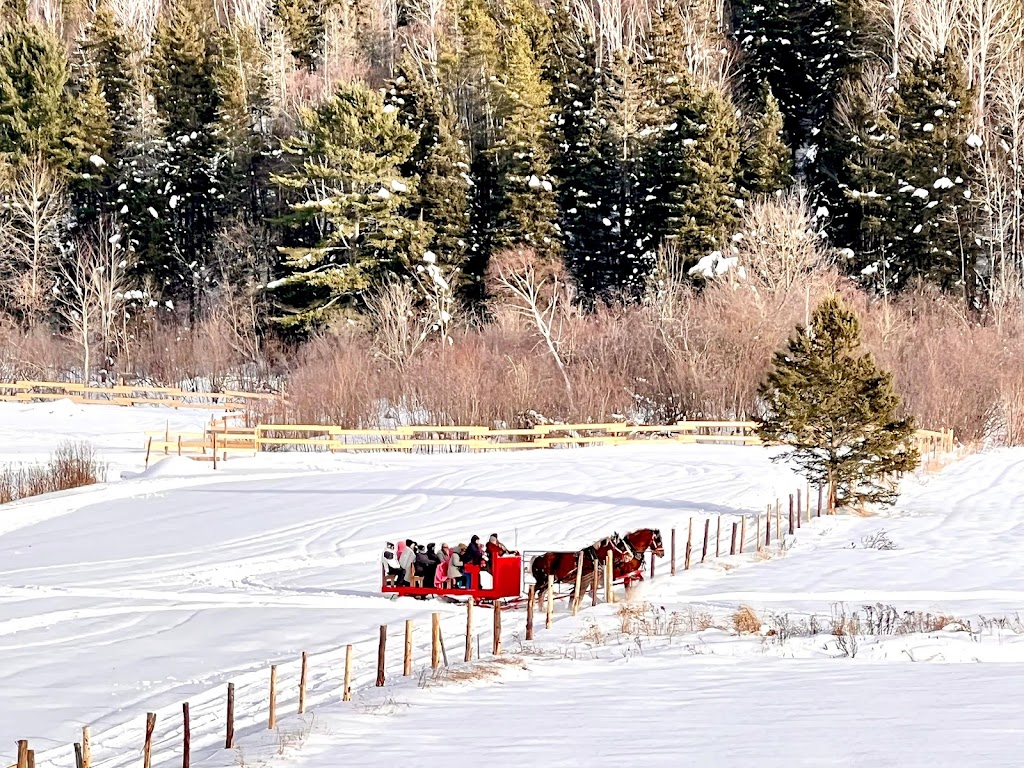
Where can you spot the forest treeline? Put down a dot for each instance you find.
(269, 180)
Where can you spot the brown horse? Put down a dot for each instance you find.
(641, 541)
(562, 565)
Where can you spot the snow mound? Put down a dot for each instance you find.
(172, 466)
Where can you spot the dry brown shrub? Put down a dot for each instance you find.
(746, 621)
(72, 465)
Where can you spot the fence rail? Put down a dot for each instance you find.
(220, 440)
(130, 395)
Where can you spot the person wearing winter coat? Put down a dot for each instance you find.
(392, 570)
(495, 549)
(455, 576)
(421, 567)
(433, 561)
(474, 554)
(407, 561)
(441, 574)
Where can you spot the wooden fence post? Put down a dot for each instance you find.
(147, 748)
(778, 524)
(149, 446)
(31, 758)
(272, 716)
(23, 754)
(214, 450)
(718, 537)
(435, 640)
(346, 693)
(732, 543)
(382, 645)
(229, 739)
(707, 531)
(768, 527)
(672, 567)
(609, 578)
(799, 507)
(743, 532)
(531, 595)
(579, 584)
(689, 546)
(549, 608)
(86, 748)
(407, 657)
(819, 501)
(78, 755)
(302, 685)
(792, 529)
(496, 649)
(468, 656)
(186, 747)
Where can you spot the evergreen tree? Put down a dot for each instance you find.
(837, 410)
(440, 159)
(767, 161)
(584, 158)
(303, 23)
(349, 222)
(33, 104)
(933, 225)
(188, 191)
(528, 213)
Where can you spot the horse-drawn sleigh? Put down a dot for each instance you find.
(507, 574)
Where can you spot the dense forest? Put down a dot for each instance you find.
(504, 210)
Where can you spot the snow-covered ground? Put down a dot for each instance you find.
(151, 591)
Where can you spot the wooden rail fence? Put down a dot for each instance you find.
(131, 395)
(220, 440)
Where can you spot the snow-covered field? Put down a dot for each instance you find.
(151, 591)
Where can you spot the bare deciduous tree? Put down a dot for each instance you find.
(33, 211)
(542, 304)
(93, 289)
(399, 330)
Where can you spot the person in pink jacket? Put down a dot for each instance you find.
(441, 574)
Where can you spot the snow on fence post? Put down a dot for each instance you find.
(382, 645)
(743, 531)
(86, 750)
(272, 716)
(229, 737)
(302, 685)
(707, 533)
(672, 565)
(689, 546)
(496, 649)
(407, 655)
(435, 640)
(549, 595)
(718, 537)
(147, 747)
(579, 584)
(531, 595)
(792, 529)
(186, 737)
(732, 542)
(468, 656)
(346, 692)
(22, 753)
(78, 755)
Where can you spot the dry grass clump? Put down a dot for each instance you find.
(73, 465)
(746, 621)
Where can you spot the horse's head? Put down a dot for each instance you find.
(657, 544)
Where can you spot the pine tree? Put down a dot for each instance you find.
(837, 410)
(527, 215)
(767, 161)
(303, 23)
(584, 158)
(349, 223)
(33, 103)
(933, 222)
(188, 191)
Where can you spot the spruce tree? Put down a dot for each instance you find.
(34, 116)
(767, 159)
(527, 214)
(188, 191)
(837, 411)
(585, 157)
(349, 227)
